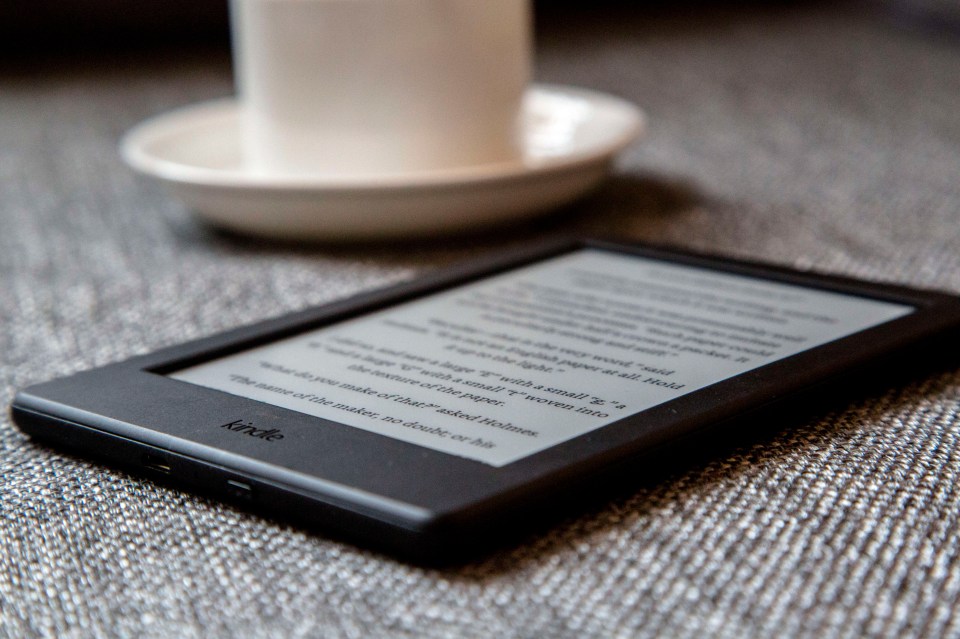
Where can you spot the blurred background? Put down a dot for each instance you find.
(45, 24)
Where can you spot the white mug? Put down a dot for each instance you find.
(360, 87)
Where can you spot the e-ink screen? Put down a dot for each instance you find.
(515, 363)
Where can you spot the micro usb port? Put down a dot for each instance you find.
(156, 463)
(239, 489)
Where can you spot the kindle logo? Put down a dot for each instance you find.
(247, 428)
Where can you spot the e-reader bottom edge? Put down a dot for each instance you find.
(415, 541)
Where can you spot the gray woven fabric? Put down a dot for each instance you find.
(814, 138)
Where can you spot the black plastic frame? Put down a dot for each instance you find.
(427, 505)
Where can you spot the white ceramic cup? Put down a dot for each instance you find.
(361, 87)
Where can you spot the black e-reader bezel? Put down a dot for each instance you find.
(404, 498)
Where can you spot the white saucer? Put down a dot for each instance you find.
(571, 137)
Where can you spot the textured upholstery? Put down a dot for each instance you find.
(819, 138)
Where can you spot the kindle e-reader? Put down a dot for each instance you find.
(431, 418)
